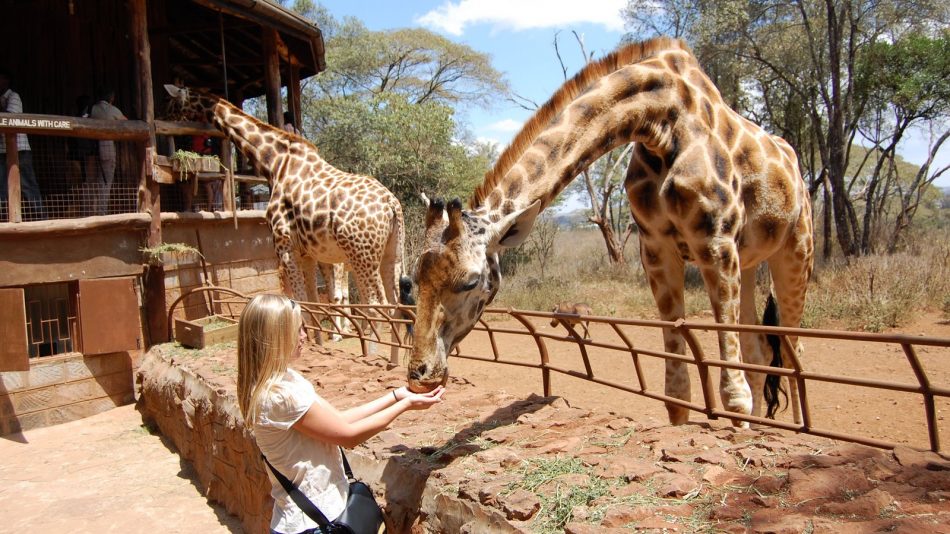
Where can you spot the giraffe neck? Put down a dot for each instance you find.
(634, 103)
(266, 147)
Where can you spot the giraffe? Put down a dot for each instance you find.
(317, 213)
(705, 186)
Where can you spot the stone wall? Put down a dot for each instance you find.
(58, 389)
(190, 397)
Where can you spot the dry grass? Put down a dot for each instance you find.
(868, 293)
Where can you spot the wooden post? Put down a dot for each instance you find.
(272, 77)
(149, 192)
(14, 214)
(293, 95)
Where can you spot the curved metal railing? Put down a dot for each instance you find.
(370, 323)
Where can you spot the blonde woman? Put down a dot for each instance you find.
(297, 430)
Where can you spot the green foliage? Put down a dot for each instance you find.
(410, 148)
(154, 255)
(385, 107)
(912, 74)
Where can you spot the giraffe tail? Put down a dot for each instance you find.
(406, 299)
(773, 383)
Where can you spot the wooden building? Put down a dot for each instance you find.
(79, 300)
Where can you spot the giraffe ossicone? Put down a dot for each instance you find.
(318, 214)
(705, 186)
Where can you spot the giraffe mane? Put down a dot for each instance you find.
(217, 99)
(612, 62)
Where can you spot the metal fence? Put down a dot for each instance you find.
(374, 325)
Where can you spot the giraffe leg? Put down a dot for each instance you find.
(722, 280)
(665, 273)
(390, 269)
(790, 273)
(308, 267)
(291, 274)
(330, 273)
(370, 286)
(753, 345)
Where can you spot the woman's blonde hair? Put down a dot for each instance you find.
(268, 333)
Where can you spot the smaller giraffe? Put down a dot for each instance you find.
(568, 312)
(317, 213)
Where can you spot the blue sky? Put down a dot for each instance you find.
(518, 35)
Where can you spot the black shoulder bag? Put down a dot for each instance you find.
(362, 514)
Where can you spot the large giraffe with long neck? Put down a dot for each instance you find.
(704, 184)
(317, 213)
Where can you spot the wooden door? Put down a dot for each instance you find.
(14, 343)
(109, 317)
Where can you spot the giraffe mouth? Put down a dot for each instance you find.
(419, 384)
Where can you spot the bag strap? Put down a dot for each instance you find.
(346, 467)
(301, 500)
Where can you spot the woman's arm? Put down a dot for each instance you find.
(365, 410)
(325, 423)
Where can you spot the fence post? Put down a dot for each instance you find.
(704, 379)
(542, 349)
(924, 382)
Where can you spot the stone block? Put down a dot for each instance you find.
(77, 370)
(15, 380)
(47, 374)
(32, 400)
(29, 421)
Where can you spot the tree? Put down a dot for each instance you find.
(540, 244)
(386, 105)
(416, 63)
(906, 82)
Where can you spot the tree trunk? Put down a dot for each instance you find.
(614, 247)
(826, 219)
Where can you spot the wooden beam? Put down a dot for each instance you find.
(113, 223)
(65, 126)
(14, 213)
(272, 77)
(150, 198)
(293, 94)
(186, 128)
(61, 227)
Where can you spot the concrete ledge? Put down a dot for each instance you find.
(64, 388)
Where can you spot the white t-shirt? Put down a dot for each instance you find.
(316, 468)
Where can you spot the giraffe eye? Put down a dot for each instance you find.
(470, 285)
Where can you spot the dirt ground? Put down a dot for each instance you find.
(104, 473)
(108, 474)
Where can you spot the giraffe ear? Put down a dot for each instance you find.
(175, 91)
(515, 228)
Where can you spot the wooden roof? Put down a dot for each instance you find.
(57, 50)
(194, 30)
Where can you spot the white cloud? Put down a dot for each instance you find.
(505, 125)
(452, 17)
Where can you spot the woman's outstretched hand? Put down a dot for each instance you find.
(420, 401)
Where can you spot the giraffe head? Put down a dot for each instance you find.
(188, 104)
(457, 276)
